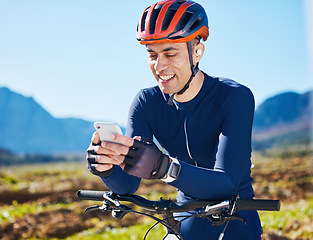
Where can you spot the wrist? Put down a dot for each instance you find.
(173, 171)
(169, 164)
(104, 174)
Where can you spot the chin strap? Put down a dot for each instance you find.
(194, 70)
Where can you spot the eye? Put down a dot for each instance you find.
(152, 56)
(171, 55)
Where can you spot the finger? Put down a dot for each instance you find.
(103, 167)
(115, 148)
(118, 158)
(103, 150)
(104, 159)
(137, 138)
(95, 139)
(122, 139)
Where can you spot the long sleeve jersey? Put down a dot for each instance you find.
(210, 135)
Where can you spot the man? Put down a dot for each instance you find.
(204, 123)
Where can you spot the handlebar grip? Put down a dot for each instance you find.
(258, 204)
(90, 195)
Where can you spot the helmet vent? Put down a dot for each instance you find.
(143, 21)
(167, 19)
(184, 20)
(196, 24)
(153, 19)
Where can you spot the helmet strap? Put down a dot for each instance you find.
(194, 70)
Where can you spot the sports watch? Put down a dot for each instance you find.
(173, 171)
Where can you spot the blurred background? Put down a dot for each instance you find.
(66, 64)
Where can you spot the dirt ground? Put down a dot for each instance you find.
(61, 223)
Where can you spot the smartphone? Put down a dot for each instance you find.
(106, 129)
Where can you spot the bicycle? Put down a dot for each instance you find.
(218, 212)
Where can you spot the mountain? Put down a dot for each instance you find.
(25, 127)
(284, 120)
(284, 108)
(281, 121)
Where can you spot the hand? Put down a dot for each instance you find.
(137, 157)
(100, 161)
(145, 160)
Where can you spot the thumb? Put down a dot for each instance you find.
(137, 138)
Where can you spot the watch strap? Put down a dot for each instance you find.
(173, 171)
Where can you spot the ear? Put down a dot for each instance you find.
(198, 52)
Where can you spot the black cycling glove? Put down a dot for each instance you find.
(92, 162)
(145, 160)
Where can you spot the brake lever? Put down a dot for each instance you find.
(237, 217)
(218, 220)
(92, 208)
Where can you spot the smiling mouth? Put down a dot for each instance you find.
(166, 77)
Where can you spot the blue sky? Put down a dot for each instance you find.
(81, 59)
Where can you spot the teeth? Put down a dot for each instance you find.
(167, 77)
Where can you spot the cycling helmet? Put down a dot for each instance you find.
(172, 21)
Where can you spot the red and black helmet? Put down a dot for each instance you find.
(172, 21)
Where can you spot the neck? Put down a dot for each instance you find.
(193, 89)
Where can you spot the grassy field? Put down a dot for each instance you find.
(39, 202)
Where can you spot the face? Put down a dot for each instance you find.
(170, 65)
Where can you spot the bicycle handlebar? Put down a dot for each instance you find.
(258, 204)
(241, 204)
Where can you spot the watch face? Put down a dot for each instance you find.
(175, 170)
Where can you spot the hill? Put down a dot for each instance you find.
(25, 127)
(281, 121)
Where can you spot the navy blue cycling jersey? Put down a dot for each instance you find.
(211, 137)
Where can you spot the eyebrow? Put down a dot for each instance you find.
(164, 50)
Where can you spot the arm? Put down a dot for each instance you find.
(233, 153)
(120, 182)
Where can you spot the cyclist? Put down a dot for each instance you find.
(203, 124)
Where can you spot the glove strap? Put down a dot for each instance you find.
(163, 168)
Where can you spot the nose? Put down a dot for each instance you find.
(160, 65)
